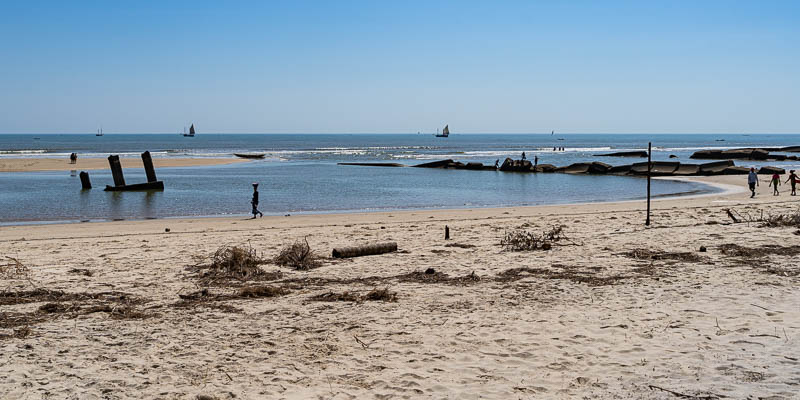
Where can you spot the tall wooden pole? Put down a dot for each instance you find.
(649, 167)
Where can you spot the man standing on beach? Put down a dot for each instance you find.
(254, 202)
(752, 180)
(793, 179)
(535, 161)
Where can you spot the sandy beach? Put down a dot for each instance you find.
(86, 164)
(614, 310)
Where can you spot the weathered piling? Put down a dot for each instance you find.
(446, 232)
(366, 250)
(85, 182)
(148, 167)
(116, 170)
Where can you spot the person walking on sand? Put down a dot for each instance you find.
(793, 180)
(752, 181)
(775, 182)
(73, 158)
(254, 202)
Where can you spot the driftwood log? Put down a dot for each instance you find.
(366, 250)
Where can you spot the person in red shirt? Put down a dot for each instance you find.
(776, 181)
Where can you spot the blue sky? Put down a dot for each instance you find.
(404, 66)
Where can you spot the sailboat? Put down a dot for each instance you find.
(445, 132)
(191, 132)
(99, 132)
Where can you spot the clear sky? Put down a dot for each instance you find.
(400, 66)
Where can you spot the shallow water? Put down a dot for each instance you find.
(300, 174)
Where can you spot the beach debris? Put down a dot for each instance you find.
(81, 271)
(758, 257)
(460, 245)
(166, 230)
(732, 217)
(778, 220)
(59, 304)
(656, 255)
(262, 291)
(298, 256)
(13, 269)
(233, 265)
(521, 240)
(703, 249)
(333, 296)
(381, 295)
(430, 275)
(559, 272)
(365, 250)
(446, 232)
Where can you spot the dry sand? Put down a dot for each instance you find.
(583, 320)
(85, 164)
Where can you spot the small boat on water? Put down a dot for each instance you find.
(191, 132)
(445, 132)
(255, 156)
(99, 132)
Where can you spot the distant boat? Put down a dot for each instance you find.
(259, 156)
(445, 131)
(99, 132)
(191, 132)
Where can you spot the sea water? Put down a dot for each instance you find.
(299, 173)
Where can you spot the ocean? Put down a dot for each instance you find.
(300, 173)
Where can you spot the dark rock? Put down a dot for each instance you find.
(703, 249)
(687, 169)
(545, 168)
(598, 167)
(619, 170)
(624, 154)
(715, 168)
(474, 166)
(435, 164)
(707, 154)
(372, 164)
(659, 168)
(791, 149)
(577, 168)
(430, 271)
(516, 165)
(735, 171)
(673, 156)
(771, 170)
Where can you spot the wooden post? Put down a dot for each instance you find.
(148, 167)
(649, 167)
(116, 170)
(446, 232)
(85, 182)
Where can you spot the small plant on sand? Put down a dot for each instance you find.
(521, 240)
(298, 256)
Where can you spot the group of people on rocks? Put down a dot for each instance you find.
(774, 182)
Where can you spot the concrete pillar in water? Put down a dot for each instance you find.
(116, 170)
(85, 182)
(148, 167)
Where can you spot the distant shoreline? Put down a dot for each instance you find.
(85, 164)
